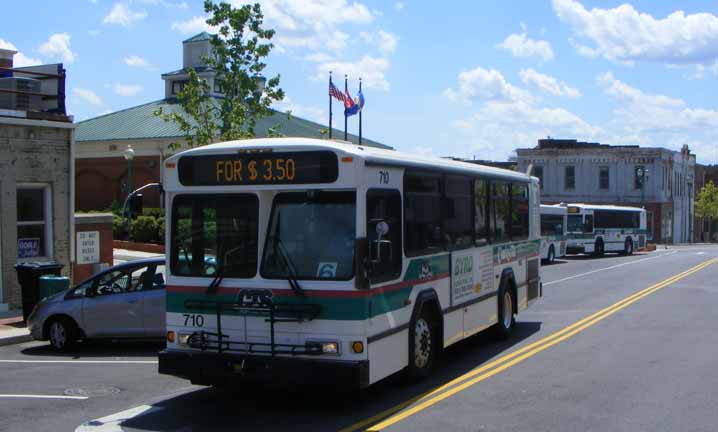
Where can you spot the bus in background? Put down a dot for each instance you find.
(338, 263)
(553, 231)
(595, 229)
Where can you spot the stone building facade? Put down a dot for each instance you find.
(658, 179)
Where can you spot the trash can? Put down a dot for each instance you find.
(28, 275)
(51, 284)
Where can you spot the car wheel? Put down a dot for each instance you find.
(628, 247)
(502, 330)
(551, 255)
(422, 345)
(62, 334)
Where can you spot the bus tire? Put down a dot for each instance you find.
(502, 329)
(551, 255)
(628, 247)
(598, 248)
(423, 345)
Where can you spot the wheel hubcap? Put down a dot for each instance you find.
(422, 343)
(57, 335)
(508, 310)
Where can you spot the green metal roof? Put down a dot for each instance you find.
(198, 37)
(139, 122)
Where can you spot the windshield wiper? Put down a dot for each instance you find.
(288, 265)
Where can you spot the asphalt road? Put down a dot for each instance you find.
(647, 363)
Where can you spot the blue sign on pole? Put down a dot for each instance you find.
(28, 247)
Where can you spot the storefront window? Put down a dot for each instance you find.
(33, 222)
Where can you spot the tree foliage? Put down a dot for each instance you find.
(239, 49)
(707, 202)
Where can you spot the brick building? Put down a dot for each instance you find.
(658, 179)
(36, 172)
(705, 230)
(101, 168)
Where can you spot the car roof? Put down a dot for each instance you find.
(134, 263)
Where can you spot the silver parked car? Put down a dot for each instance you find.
(124, 301)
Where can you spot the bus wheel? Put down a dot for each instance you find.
(502, 329)
(598, 248)
(551, 255)
(423, 343)
(628, 247)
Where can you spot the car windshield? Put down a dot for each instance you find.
(214, 233)
(311, 234)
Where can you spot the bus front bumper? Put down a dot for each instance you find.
(210, 368)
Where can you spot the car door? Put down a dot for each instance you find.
(114, 309)
(154, 304)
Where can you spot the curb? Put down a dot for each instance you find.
(12, 340)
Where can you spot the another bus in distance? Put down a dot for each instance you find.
(302, 259)
(596, 229)
(553, 232)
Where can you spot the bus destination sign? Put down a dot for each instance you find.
(258, 168)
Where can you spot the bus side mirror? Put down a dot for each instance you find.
(136, 204)
(380, 248)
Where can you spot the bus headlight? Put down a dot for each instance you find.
(184, 339)
(324, 347)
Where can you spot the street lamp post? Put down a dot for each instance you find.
(129, 154)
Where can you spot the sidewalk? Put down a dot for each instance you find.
(12, 328)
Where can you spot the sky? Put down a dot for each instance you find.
(472, 79)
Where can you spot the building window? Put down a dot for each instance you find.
(538, 172)
(178, 86)
(218, 86)
(569, 179)
(603, 178)
(639, 175)
(34, 221)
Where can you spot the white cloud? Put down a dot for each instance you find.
(138, 62)
(385, 41)
(372, 70)
(398, 6)
(309, 112)
(626, 35)
(165, 3)
(481, 84)
(548, 84)
(314, 15)
(58, 47)
(126, 89)
(521, 45)
(19, 59)
(87, 96)
(506, 117)
(193, 25)
(122, 15)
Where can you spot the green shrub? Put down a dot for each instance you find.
(144, 229)
(161, 230)
(155, 212)
(119, 229)
(115, 207)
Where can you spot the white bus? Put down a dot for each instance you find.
(595, 229)
(553, 231)
(303, 259)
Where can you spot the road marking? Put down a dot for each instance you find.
(34, 396)
(113, 423)
(494, 367)
(608, 268)
(83, 361)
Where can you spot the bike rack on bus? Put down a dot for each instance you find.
(274, 313)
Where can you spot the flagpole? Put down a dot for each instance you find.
(346, 91)
(330, 105)
(360, 110)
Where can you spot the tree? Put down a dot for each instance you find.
(707, 203)
(239, 48)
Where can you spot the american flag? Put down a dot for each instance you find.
(336, 93)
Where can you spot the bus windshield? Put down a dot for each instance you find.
(311, 236)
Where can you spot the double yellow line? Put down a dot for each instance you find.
(492, 368)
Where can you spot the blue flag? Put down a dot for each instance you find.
(355, 107)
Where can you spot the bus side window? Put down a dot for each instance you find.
(481, 211)
(384, 206)
(588, 224)
(422, 213)
(519, 211)
(458, 212)
(500, 220)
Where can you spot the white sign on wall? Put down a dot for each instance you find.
(88, 247)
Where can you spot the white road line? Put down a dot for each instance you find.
(33, 396)
(113, 423)
(83, 361)
(608, 268)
